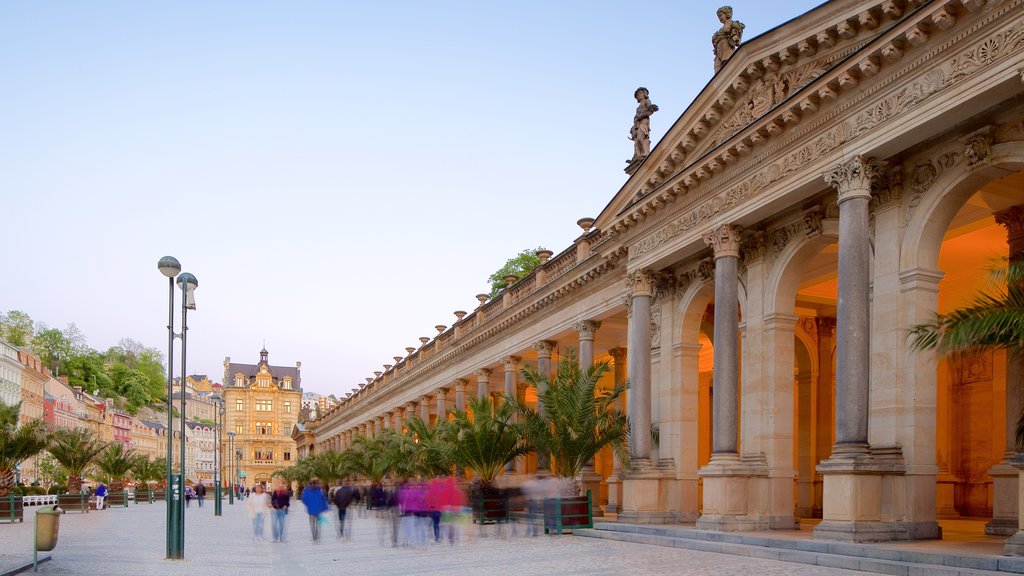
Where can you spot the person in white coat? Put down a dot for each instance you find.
(259, 507)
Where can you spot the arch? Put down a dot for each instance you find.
(784, 277)
(940, 203)
(693, 303)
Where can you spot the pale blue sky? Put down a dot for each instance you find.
(340, 177)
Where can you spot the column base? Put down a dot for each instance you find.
(734, 495)
(614, 494)
(645, 493)
(1005, 499)
(1014, 545)
(592, 481)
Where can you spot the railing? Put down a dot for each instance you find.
(561, 264)
(11, 508)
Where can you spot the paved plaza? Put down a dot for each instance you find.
(131, 541)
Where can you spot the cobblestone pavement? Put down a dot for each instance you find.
(131, 541)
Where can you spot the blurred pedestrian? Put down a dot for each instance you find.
(279, 501)
(259, 506)
(316, 504)
(101, 494)
(343, 496)
(200, 493)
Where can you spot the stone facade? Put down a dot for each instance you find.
(261, 404)
(842, 178)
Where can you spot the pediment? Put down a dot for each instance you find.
(767, 75)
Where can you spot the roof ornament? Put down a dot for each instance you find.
(640, 133)
(727, 38)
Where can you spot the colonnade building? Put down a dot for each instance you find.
(842, 178)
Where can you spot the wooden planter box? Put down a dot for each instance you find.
(117, 499)
(158, 495)
(490, 507)
(12, 509)
(568, 513)
(143, 497)
(74, 502)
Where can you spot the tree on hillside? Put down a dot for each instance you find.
(519, 265)
(17, 328)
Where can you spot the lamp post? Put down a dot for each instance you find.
(231, 477)
(218, 420)
(174, 493)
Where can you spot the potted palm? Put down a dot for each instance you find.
(114, 464)
(147, 473)
(578, 421)
(75, 450)
(17, 444)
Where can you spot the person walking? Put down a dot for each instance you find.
(101, 494)
(200, 493)
(316, 504)
(259, 505)
(343, 496)
(279, 501)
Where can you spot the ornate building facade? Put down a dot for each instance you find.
(842, 178)
(262, 404)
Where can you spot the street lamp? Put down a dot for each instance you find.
(231, 477)
(171, 268)
(218, 420)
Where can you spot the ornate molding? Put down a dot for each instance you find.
(640, 283)
(1012, 131)
(544, 348)
(656, 327)
(587, 328)
(978, 147)
(924, 174)
(703, 272)
(854, 178)
(889, 191)
(724, 241)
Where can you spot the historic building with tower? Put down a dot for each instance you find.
(840, 179)
(261, 404)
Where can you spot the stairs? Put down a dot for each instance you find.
(861, 557)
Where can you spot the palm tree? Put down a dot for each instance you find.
(579, 418)
(115, 463)
(484, 439)
(994, 320)
(75, 450)
(147, 471)
(17, 443)
(430, 457)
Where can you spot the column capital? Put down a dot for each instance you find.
(511, 363)
(854, 178)
(725, 241)
(544, 348)
(424, 400)
(640, 283)
(441, 393)
(1013, 220)
(587, 329)
(483, 375)
(617, 354)
(826, 325)
(460, 385)
(410, 407)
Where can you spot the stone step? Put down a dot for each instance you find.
(832, 554)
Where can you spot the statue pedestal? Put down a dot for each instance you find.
(735, 495)
(614, 494)
(634, 164)
(645, 494)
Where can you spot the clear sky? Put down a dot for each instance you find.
(339, 176)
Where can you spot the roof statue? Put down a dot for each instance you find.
(640, 133)
(727, 38)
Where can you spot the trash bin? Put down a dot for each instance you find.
(47, 525)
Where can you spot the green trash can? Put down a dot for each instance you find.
(47, 526)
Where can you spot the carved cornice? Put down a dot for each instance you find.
(640, 283)
(854, 178)
(587, 329)
(725, 241)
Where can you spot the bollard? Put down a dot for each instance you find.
(47, 526)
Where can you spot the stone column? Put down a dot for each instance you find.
(410, 411)
(381, 424)
(614, 482)
(853, 353)
(396, 419)
(511, 365)
(387, 421)
(442, 411)
(825, 420)
(1004, 475)
(460, 395)
(544, 349)
(483, 381)
(587, 330)
(725, 241)
(425, 409)
(638, 350)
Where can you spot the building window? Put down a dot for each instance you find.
(238, 380)
(287, 456)
(288, 406)
(264, 405)
(287, 384)
(264, 428)
(239, 428)
(239, 405)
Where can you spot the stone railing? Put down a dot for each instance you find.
(561, 264)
